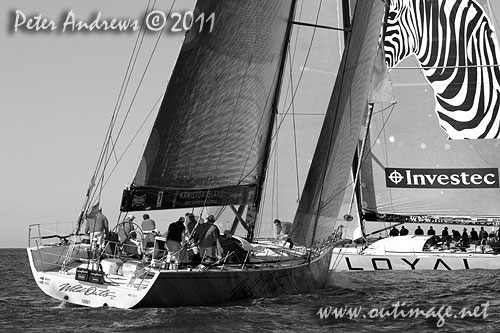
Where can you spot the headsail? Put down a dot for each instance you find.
(328, 176)
(447, 85)
(209, 143)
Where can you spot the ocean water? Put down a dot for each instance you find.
(443, 297)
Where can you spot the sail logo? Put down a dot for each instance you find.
(441, 178)
(139, 201)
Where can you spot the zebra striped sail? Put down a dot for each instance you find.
(457, 48)
(209, 142)
(444, 58)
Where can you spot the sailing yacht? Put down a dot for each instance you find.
(430, 151)
(209, 147)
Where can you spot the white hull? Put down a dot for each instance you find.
(125, 292)
(348, 259)
(406, 253)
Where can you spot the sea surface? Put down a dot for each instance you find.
(440, 295)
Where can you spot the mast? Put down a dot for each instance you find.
(347, 32)
(253, 211)
(356, 161)
(356, 166)
(346, 18)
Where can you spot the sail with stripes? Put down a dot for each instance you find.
(436, 150)
(209, 144)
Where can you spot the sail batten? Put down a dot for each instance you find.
(212, 128)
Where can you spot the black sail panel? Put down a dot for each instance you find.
(212, 128)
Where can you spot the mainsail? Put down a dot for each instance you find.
(209, 143)
(445, 76)
(328, 176)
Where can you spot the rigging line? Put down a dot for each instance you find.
(261, 211)
(273, 98)
(276, 179)
(363, 158)
(106, 152)
(220, 212)
(289, 88)
(319, 206)
(295, 138)
(128, 73)
(304, 114)
(444, 67)
(319, 26)
(104, 183)
(139, 156)
(114, 151)
(132, 62)
(303, 67)
(137, 89)
(331, 139)
(274, 151)
(294, 52)
(341, 41)
(297, 35)
(108, 138)
(385, 108)
(244, 176)
(274, 185)
(298, 83)
(269, 96)
(133, 138)
(142, 79)
(361, 152)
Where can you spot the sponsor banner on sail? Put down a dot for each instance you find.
(142, 198)
(442, 99)
(441, 178)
